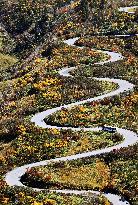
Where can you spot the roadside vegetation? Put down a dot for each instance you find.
(32, 51)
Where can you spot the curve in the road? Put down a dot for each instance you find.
(127, 9)
(13, 177)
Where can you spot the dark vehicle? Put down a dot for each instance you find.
(109, 129)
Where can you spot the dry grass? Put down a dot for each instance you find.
(79, 176)
(6, 61)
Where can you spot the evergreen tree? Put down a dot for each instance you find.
(95, 10)
(84, 7)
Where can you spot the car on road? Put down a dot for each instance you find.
(109, 129)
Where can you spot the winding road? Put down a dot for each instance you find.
(130, 138)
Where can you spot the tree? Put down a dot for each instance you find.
(84, 7)
(96, 11)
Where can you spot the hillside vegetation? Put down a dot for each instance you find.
(33, 49)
